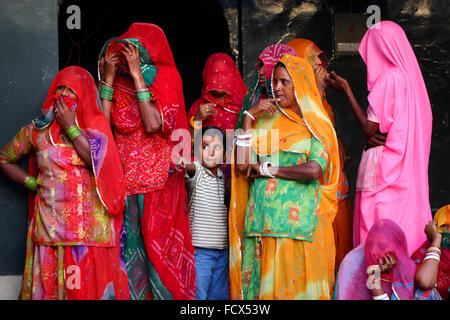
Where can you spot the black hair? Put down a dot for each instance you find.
(212, 131)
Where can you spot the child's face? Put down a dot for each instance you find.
(212, 151)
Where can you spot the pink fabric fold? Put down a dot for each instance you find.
(399, 99)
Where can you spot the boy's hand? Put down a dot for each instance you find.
(181, 163)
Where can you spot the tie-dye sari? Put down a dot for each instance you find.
(343, 223)
(221, 73)
(158, 249)
(284, 249)
(73, 247)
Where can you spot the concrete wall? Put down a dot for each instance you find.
(29, 62)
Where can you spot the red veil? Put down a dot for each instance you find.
(165, 223)
(221, 73)
(95, 126)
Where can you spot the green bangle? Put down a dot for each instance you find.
(73, 132)
(143, 95)
(106, 92)
(30, 183)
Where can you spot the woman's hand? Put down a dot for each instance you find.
(131, 54)
(387, 262)
(264, 105)
(64, 116)
(321, 76)
(376, 140)
(110, 67)
(206, 110)
(338, 83)
(433, 234)
(253, 170)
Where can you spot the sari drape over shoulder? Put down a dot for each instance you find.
(399, 99)
(296, 228)
(343, 223)
(157, 197)
(385, 236)
(221, 73)
(269, 57)
(77, 211)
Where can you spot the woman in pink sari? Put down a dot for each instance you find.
(379, 268)
(393, 178)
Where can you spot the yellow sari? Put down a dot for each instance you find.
(343, 223)
(310, 263)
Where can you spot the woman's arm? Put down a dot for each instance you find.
(310, 170)
(243, 154)
(369, 128)
(427, 273)
(150, 114)
(17, 148)
(66, 119)
(108, 67)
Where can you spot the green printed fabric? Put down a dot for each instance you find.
(286, 208)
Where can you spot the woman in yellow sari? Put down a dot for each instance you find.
(281, 244)
(343, 223)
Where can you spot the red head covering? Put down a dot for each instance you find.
(167, 86)
(221, 73)
(95, 126)
(271, 55)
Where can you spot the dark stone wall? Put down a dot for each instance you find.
(29, 62)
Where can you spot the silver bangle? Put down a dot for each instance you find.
(249, 114)
(244, 143)
(264, 170)
(383, 296)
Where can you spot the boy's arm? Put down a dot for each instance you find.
(190, 169)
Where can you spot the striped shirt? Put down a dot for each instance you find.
(208, 214)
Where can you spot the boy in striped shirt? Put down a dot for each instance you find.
(208, 215)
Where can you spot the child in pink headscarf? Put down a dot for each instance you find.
(393, 176)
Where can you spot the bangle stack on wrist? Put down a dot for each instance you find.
(264, 169)
(383, 296)
(143, 94)
(433, 253)
(106, 91)
(244, 140)
(30, 183)
(73, 132)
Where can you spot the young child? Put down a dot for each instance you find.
(208, 215)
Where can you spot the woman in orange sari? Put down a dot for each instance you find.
(343, 223)
(288, 144)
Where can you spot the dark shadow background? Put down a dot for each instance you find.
(194, 29)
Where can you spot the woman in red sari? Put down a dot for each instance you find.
(142, 95)
(222, 94)
(78, 197)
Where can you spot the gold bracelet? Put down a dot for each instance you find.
(193, 125)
